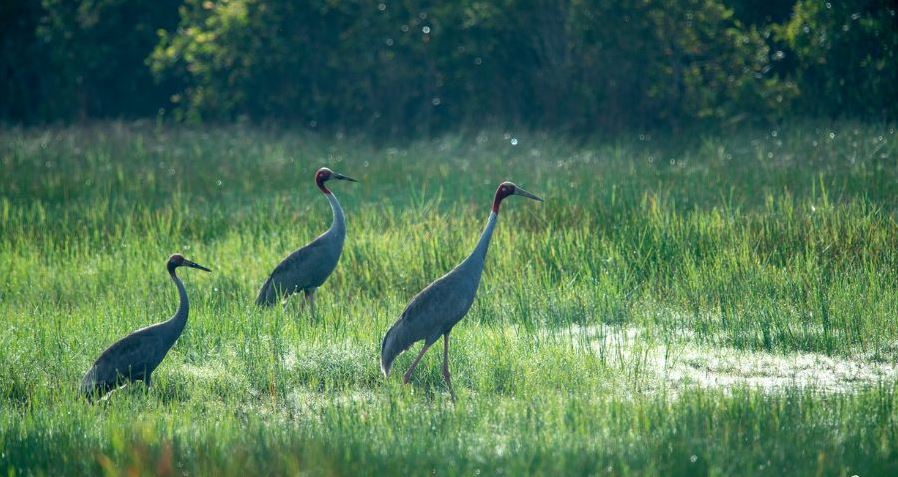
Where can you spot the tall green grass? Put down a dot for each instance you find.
(766, 241)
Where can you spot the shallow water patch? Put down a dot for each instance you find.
(729, 367)
(682, 362)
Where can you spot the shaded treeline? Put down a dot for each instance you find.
(417, 67)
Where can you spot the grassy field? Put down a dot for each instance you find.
(720, 305)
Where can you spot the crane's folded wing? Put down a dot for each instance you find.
(133, 355)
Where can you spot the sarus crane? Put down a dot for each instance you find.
(307, 268)
(136, 356)
(435, 310)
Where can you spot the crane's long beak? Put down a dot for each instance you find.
(524, 193)
(344, 178)
(196, 265)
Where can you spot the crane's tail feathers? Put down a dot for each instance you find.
(89, 384)
(386, 353)
(268, 295)
(94, 386)
(395, 342)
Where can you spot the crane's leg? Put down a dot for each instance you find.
(411, 369)
(309, 300)
(446, 375)
(310, 297)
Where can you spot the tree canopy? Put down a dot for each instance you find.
(413, 66)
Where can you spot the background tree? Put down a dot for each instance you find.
(416, 67)
(847, 56)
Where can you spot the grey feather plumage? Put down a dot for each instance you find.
(307, 268)
(436, 309)
(136, 356)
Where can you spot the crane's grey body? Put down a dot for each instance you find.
(136, 356)
(307, 268)
(435, 310)
(439, 307)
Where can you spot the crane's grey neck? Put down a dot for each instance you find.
(176, 324)
(478, 256)
(339, 224)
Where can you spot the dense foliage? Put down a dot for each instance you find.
(415, 66)
(847, 54)
(65, 59)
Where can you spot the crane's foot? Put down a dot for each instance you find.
(448, 377)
